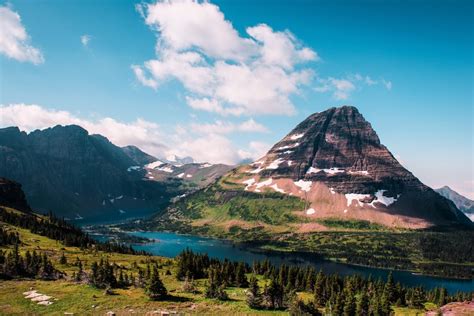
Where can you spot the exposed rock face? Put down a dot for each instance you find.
(335, 161)
(11, 195)
(66, 170)
(339, 147)
(138, 156)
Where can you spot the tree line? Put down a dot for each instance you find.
(59, 229)
(336, 295)
(29, 265)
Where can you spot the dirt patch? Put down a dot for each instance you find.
(455, 309)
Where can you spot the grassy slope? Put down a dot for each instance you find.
(225, 210)
(83, 299)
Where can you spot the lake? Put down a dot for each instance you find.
(171, 244)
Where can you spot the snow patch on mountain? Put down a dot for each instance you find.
(166, 169)
(274, 164)
(313, 170)
(310, 211)
(276, 188)
(385, 200)
(263, 184)
(296, 136)
(154, 164)
(357, 197)
(248, 183)
(360, 172)
(304, 185)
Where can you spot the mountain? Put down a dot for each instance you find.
(463, 203)
(140, 157)
(331, 166)
(74, 174)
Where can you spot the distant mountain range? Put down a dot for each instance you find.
(331, 166)
(463, 203)
(66, 170)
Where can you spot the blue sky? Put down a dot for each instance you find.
(407, 67)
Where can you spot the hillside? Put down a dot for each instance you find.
(49, 267)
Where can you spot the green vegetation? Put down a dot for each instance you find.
(351, 224)
(89, 280)
(271, 208)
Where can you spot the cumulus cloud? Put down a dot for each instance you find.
(140, 132)
(85, 39)
(222, 71)
(14, 40)
(342, 88)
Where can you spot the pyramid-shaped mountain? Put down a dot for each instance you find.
(335, 162)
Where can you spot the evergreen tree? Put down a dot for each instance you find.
(240, 278)
(63, 259)
(362, 304)
(155, 288)
(254, 298)
(349, 306)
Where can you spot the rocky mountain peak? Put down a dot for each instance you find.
(335, 160)
(339, 147)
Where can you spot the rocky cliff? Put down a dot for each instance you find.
(11, 195)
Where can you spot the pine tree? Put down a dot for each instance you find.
(349, 305)
(319, 298)
(80, 272)
(389, 288)
(155, 288)
(384, 304)
(240, 278)
(442, 297)
(254, 298)
(63, 259)
(362, 304)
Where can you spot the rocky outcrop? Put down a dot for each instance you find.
(11, 195)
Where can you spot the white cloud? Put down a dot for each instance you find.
(211, 148)
(222, 71)
(143, 79)
(220, 127)
(141, 133)
(342, 88)
(14, 41)
(85, 39)
(255, 150)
